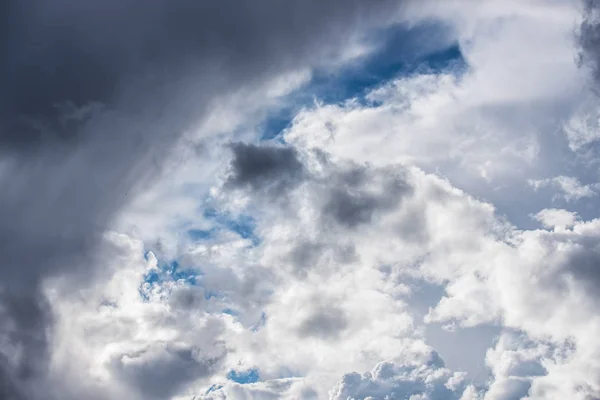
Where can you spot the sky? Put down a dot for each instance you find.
(309, 199)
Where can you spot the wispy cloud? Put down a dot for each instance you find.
(570, 187)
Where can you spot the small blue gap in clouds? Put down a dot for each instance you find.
(244, 377)
(403, 51)
(151, 277)
(214, 388)
(276, 122)
(199, 234)
(189, 276)
(171, 271)
(243, 225)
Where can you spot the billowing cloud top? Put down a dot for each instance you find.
(299, 200)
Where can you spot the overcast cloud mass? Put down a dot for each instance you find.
(307, 199)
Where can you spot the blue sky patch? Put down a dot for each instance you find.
(200, 234)
(170, 271)
(244, 377)
(151, 277)
(403, 51)
(243, 225)
(230, 311)
(214, 388)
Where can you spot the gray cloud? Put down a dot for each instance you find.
(24, 330)
(94, 93)
(265, 168)
(413, 227)
(582, 264)
(351, 208)
(161, 370)
(8, 388)
(350, 203)
(307, 255)
(589, 37)
(327, 322)
(347, 195)
(63, 51)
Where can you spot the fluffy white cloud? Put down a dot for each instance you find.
(427, 379)
(542, 283)
(487, 122)
(325, 293)
(556, 218)
(514, 362)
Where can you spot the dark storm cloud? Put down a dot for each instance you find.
(26, 336)
(92, 93)
(265, 168)
(589, 37)
(65, 51)
(8, 388)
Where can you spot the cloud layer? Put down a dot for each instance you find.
(158, 243)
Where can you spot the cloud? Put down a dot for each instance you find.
(271, 389)
(325, 323)
(543, 287)
(317, 302)
(514, 362)
(299, 260)
(352, 202)
(26, 320)
(427, 380)
(552, 217)
(94, 96)
(462, 123)
(160, 371)
(136, 340)
(80, 60)
(383, 179)
(270, 169)
(589, 38)
(528, 280)
(251, 307)
(571, 188)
